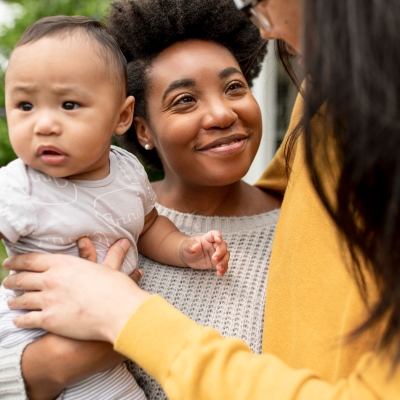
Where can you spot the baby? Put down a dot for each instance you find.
(65, 97)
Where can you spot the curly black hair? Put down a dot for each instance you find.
(144, 28)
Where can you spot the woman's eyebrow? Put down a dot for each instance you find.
(225, 73)
(187, 82)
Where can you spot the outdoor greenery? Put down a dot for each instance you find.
(3, 255)
(30, 11)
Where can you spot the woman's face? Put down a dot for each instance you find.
(285, 18)
(202, 118)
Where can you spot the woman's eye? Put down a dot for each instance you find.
(236, 86)
(24, 106)
(184, 100)
(70, 105)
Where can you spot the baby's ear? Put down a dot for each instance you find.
(125, 116)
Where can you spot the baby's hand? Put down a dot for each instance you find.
(207, 251)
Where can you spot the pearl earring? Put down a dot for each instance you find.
(147, 146)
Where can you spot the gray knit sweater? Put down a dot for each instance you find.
(233, 304)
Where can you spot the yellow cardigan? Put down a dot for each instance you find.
(312, 302)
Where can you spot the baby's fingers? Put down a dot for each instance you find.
(213, 236)
(190, 246)
(190, 252)
(222, 265)
(220, 251)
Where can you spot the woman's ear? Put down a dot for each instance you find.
(143, 133)
(125, 116)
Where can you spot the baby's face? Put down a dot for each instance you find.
(62, 107)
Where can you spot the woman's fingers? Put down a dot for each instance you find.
(27, 301)
(36, 262)
(23, 281)
(116, 254)
(30, 320)
(70, 294)
(87, 250)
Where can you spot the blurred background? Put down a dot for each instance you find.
(273, 90)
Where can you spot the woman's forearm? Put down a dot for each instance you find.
(53, 363)
(192, 362)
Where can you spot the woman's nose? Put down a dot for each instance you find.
(219, 115)
(47, 124)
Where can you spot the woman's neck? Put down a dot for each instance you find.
(237, 199)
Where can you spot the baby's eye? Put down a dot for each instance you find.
(25, 106)
(70, 105)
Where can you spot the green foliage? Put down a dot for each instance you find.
(32, 11)
(6, 152)
(3, 255)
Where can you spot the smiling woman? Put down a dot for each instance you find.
(200, 113)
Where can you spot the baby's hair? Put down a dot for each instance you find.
(63, 26)
(144, 28)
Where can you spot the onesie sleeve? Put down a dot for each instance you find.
(12, 384)
(17, 212)
(150, 196)
(275, 177)
(139, 175)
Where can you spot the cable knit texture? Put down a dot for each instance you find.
(12, 385)
(233, 304)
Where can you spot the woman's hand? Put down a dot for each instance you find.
(88, 252)
(53, 362)
(60, 289)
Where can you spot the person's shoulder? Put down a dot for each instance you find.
(127, 161)
(122, 154)
(16, 165)
(14, 173)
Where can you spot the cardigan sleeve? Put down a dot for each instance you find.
(192, 362)
(12, 384)
(276, 175)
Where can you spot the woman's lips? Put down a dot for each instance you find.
(51, 155)
(227, 148)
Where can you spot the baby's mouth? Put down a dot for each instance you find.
(51, 155)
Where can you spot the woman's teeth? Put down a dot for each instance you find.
(228, 144)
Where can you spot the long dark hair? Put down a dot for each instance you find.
(352, 61)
